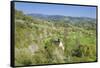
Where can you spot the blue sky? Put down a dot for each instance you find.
(52, 9)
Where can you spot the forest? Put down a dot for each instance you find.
(53, 39)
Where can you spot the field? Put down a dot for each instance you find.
(37, 39)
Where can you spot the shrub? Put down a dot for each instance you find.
(23, 56)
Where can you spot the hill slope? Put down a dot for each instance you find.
(35, 36)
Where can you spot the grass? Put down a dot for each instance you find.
(79, 43)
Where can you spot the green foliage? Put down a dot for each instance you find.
(23, 56)
(78, 40)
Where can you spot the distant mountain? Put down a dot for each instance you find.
(58, 18)
(48, 17)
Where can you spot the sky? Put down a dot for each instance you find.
(54, 9)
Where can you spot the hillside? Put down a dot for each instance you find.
(36, 36)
